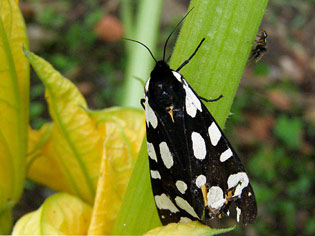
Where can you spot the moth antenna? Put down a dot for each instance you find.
(174, 31)
(136, 41)
(192, 55)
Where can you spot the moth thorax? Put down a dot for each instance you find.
(163, 93)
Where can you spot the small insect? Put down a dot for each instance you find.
(195, 173)
(261, 47)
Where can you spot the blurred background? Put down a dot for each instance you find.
(272, 125)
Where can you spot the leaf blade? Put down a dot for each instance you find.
(60, 214)
(193, 228)
(76, 140)
(14, 97)
(123, 128)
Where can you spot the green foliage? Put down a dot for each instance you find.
(263, 193)
(261, 69)
(63, 62)
(266, 162)
(302, 185)
(289, 130)
(36, 109)
(288, 210)
(92, 18)
(79, 36)
(310, 226)
(50, 18)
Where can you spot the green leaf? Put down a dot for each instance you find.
(75, 145)
(138, 213)
(263, 193)
(124, 130)
(60, 214)
(14, 109)
(310, 226)
(194, 228)
(289, 130)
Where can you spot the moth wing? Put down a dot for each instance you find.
(168, 163)
(226, 179)
(195, 173)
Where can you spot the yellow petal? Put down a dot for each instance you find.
(60, 214)
(42, 164)
(14, 91)
(123, 129)
(191, 228)
(73, 152)
(75, 143)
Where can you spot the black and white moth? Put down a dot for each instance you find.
(195, 173)
(260, 47)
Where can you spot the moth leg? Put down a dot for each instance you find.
(211, 100)
(192, 55)
(204, 194)
(258, 57)
(229, 196)
(142, 101)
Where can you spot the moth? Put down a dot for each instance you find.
(260, 48)
(195, 172)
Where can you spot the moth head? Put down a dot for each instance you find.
(161, 70)
(165, 89)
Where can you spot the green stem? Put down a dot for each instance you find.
(6, 218)
(138, 213)
(126, 15)
(128, 21)
(229, 27)
(139, 60)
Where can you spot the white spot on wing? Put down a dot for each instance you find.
(238, 214)
(228, 213)
(226, 155)
(177, 76)
(215, 197)
(183, 204)
(146, 87)
(192, 102)
(181, 186)
(199, 146)
(166, 155)
(164, 203)
(214, 134)
(201, 180)
(249, 194)
(151, 151)
(184, 220)
(240, 180)
(150, 116)
(155, 174)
